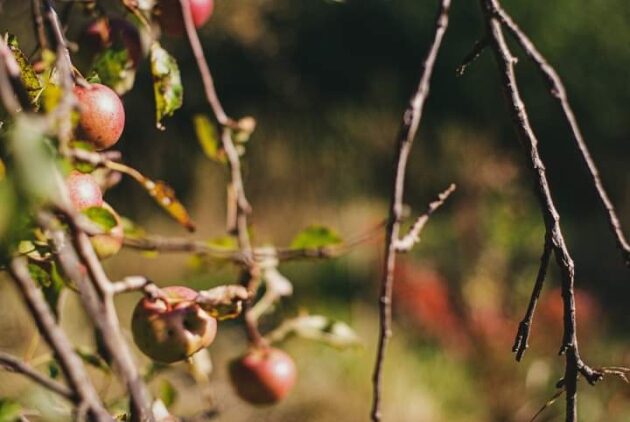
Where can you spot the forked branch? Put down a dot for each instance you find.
(408, 130)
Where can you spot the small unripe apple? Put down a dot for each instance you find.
(106, 32)
(263, 375)
(173, 327)
(108, 244)
(101, 115)
(84, 191)
(169, 15)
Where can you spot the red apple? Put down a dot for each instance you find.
(105, 32)
(102, 116)
(172, 328)
(84, 191)
(169, 15)
(263, 375)
(108, 244)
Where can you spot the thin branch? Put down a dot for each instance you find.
(410, 124)
(199, 247)
(13, 364)
(524, 328)
(38, 24)
(478, 48)
(558, 91)
(75, 254)
(133, 284)
(413, 236)
(69, 362)
(505, 62)
(204, 69)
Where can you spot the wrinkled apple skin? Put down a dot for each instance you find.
(173, 328)
(263, 375)
(101, 115)
(169, 15)
(109, 244)
(84, 191)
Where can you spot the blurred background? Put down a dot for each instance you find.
(327, 82)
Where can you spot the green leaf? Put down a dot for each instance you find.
(27, 74)
(167, 393)
(223, 242)
(209, 139)
(315, 237)
(53, 369)
(167, 84)
(102, 217)
(51, 283)
(115, 69)
(92, 359)
(10, 410)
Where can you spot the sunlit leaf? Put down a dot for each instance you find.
(165, 197)
(209, 139)
(315, 237)
(102, 217)
(34, 162)
(115, 69)
(29, 78)
(51, 96)
(167, 84)
(223, 242)
(9, 410)
(319, 328)
(167, 393)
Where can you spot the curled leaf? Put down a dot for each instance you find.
(29, 78)
(209, 139)
(167, 84)
(164, 195)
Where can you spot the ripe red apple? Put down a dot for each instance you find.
(106, 32)
(101, 115)
(263, 375)
(169, 15)
(84, 191)
(108, 244)
(173, 327)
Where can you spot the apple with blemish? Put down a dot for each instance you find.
(172, 327)
(101, 115)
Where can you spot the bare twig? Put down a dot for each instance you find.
(410, 124)
(406, 243)
(70, 364)
(525, 326)
(505, 62)
(13, 364)
(558, 91)
(38, 24)
(477, 49)
(199, 247)
(250, 276)
(75, 255)
(135, 283)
